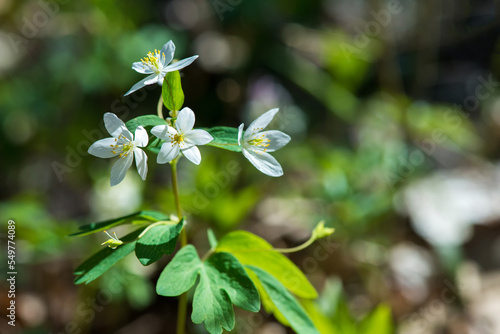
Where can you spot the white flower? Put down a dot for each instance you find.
(256, 144)
(122, 144)
(183, 137)
(156, 64)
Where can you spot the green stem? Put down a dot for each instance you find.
(182, 309)
(298, 248)
(160, 107)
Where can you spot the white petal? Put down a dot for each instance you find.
(141, 84)
(185, 120)
(168, 49)
(102, 148)
(277, 140)
(141, 137)
(260, 123)
(164, 132)
(120, 168)
(141, 68)
(240, 133)
(168, 152)
(264, 162)
(180, 64)
(115, 126)
(193, 154)
(160, 78)
(197, 137)
(152, 79)
(141, 161)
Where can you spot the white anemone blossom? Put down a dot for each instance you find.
(122, 144)
(256, 144)
(181, 138)
(156, 64)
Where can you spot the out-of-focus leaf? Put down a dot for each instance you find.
(322, 323)
(378, 321)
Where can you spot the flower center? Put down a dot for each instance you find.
(153, 60)
(125, 148)
(260, 141)
(178, 138)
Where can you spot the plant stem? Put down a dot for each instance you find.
(175, 189)
(160, 107)
(182, 309)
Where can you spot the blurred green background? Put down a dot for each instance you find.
(394, 113)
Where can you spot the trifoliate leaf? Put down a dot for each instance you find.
(157, 241)
(250, 249)
(284, 301)
(180, 274)
(224, 137)
(98, 263)
(145, 215)
(145, 121)
(173, 96)
(223, 282)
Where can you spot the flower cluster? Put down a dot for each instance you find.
(178, 136)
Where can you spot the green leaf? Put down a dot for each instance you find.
(250, 249)
(266, 300)
(144, 215)
(226, 272)
(101, 261)
(291, 310)
(155, 145)
(159, 240)
(343, 320)
(180, 274)
(145, 121)
(378, 321)
(173, 96)
(223, 282)
(225, 137)
(322, 322)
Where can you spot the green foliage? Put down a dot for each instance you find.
(250, 249)
(288, 306)
(378, 321)
(223, 282)
(145, 121)
(224, 137)
(157, 241)
(98, 263)
(180, 274)
(173, 96)
(331, 315)
(145, 215)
